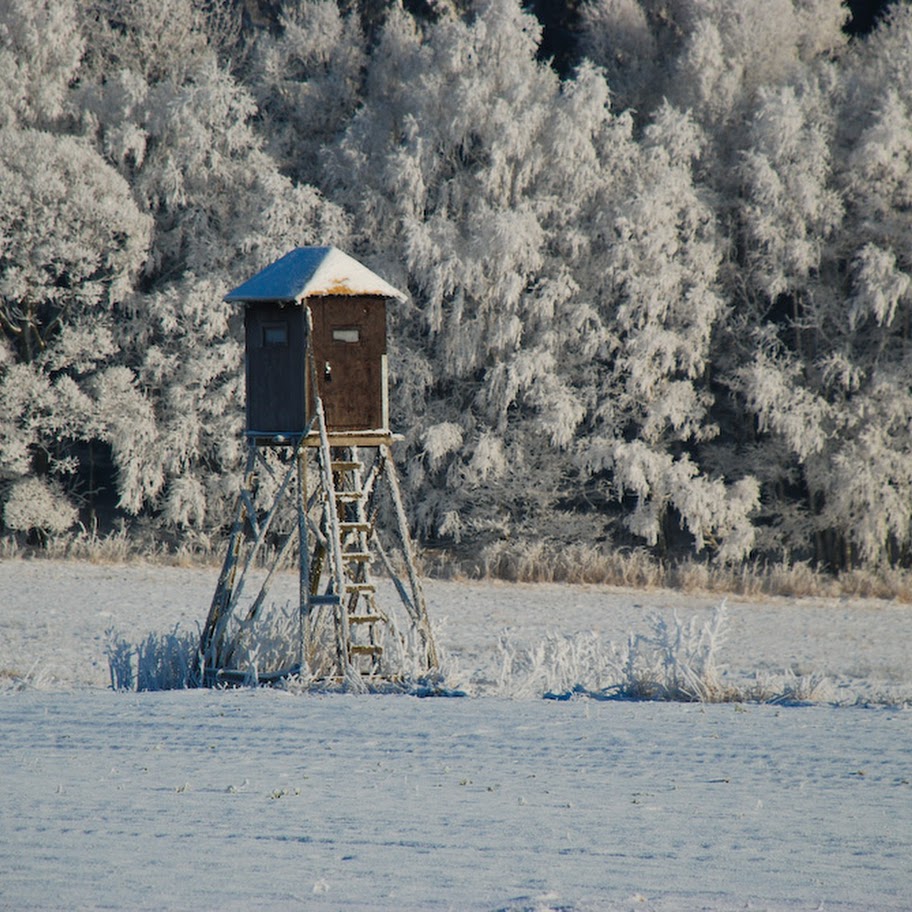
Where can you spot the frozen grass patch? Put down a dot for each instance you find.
(119, 546)
(38, 677)
(675, 661)
(544, 562)
(524, 562)
(159, 662)
(171, 661)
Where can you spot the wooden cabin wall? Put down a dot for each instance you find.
(350, 353)
(275, 368)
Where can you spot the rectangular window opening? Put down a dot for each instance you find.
(347, 334)
(275, 334)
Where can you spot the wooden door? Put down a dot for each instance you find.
(275, 365)
(350, 353)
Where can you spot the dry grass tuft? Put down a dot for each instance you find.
(549, 563)
(529, 562)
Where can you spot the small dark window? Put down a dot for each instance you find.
(347, 334)
(275, 334)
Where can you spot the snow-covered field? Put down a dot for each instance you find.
(262, 799)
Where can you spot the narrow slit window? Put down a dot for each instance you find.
(275, 334)
(347, 334)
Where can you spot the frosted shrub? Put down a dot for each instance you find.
(790, 688)
(557, 665)
(164, 662)
(37, 504)
(159, 662)
(120, 656)
(677, 661)
(258, 650)
(265, 643)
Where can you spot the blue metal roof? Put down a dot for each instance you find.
(307, 271)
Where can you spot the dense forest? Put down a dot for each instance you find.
(658, 256)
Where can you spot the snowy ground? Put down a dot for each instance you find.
(264, 799)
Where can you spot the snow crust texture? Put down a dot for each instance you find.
(259, 798)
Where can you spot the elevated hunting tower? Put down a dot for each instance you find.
(345, 304)
(320, 489)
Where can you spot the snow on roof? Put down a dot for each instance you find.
(308, 271)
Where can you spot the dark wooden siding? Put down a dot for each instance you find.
(275, 366)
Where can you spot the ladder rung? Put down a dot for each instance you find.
(345, 465)
(355, 526)
(363, 649)
(359, 556)
(364, 619)
(360, 587)
(349, 496)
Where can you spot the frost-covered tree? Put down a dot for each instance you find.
(735, 49)
(663, 304)
(672, 287)
(805, 157)
(466, 166)
(866, 504)
(790, 208)
(72, 246)
(707, 56)
(40, 52)
(157, 40)
(828, 381)
(563, 282)
(626, 38)
(178, 125)
(307, 81)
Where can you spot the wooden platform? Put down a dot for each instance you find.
(336, 439)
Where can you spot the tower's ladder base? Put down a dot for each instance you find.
(346, 631)
(365, 625)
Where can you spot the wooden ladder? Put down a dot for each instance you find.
(366, 623)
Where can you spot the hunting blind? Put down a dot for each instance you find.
(320, 489)
(346, 304)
